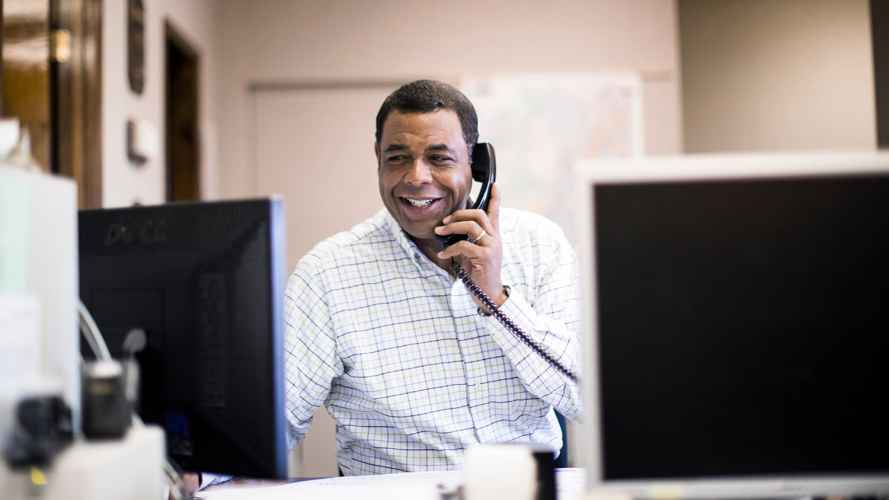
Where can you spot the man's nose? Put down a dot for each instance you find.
(418, 173)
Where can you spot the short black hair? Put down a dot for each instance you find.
(426, 96)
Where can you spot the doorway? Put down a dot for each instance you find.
(50, 82)
(182, 98)
(25, 80)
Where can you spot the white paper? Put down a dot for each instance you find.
(407, 486)
(410, 485)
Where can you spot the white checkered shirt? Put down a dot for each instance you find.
(393, 346)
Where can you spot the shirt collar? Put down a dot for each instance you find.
(406, 244)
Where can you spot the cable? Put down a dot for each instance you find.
(91, 333)
(509, 325)
(94, 338)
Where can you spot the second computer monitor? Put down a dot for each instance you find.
(737, 324)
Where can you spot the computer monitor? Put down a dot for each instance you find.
(736, 324)
(205, 281)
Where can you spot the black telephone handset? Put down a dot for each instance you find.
(484, 170)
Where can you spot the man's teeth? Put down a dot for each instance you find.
(419, 203)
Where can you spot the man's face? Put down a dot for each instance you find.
(423, 168)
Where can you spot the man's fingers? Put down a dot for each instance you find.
(494, 207)
(489, 220)
(192, 481)
(474, 215)
(470, 228)
(462, 248)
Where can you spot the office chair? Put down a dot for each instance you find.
(562, 460)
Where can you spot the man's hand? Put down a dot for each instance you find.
(481, 255)
(191, 481)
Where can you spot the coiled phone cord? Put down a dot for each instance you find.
(509, 325)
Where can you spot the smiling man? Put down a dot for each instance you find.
(412, 367)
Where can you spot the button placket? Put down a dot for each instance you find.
(468, 332)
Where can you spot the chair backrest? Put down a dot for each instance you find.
(562, 460)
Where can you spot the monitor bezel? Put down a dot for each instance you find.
(592, 172)
(275, 464)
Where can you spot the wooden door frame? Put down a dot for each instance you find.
(174, 35)
(76, 59)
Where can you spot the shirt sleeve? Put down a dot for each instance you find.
(311, 359)
(208, 479)
(552, 321)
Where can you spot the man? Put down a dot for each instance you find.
(412, 366)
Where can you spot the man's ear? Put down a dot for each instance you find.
(377, 152)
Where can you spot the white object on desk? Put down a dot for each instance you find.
(408, 485)
(38, 242)
(491, 471)
(128, 469)
(19, 352)
(405, 485)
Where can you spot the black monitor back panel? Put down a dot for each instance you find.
(205, 282)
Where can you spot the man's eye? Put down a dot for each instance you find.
(396, 158)
(440, 158)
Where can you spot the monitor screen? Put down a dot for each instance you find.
(205, 282)
(742, 326)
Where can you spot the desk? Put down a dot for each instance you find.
(407, 485)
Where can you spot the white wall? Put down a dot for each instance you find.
(287, 40)
(771, 75)
(122, 182)
(353, 41)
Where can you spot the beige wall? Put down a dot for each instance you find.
(124, 183)
(770, 75)
(287, 40)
